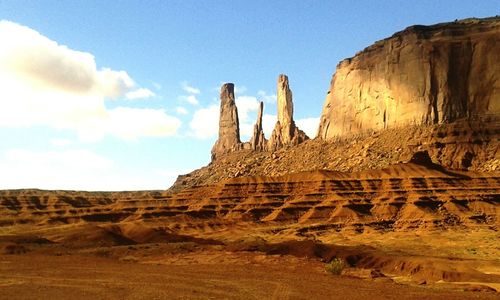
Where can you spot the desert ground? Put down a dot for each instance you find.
(412, 231)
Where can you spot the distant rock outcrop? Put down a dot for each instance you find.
(229, 126)
(421, 75)
(258, 141)
(285, 131)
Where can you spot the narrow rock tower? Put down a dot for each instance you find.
(258, 141)
(285, 132)
(229, 126)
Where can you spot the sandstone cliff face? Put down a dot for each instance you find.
(258, 141)
(229, 126)
(285, 132)
(422, 75)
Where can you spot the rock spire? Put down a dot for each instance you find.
(258, 141)
(229, 126)
(285, 132)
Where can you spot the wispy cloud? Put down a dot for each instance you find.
(189, 89)
(48, 84)
(141, 93)
(181, 110)
(240, 89)
(266, 97)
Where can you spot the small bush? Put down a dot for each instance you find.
(335, 266)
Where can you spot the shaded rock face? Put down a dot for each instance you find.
(229, 126)
(422, 75)
(258, 141)
(285, 132)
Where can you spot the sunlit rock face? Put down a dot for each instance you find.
(285, 131)
(229, 126)
(421, 75)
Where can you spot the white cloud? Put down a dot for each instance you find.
(205, 122)
(131, 123)
(31, 57)
(268, 122)
(267, 98)
(181, 110)
(192, 100)
(247, 114)
(239, 89)
(60, 142)
(141, 93)
(47, 84)
(189, 89)
(75, 169)
(309, 126)
(82, 159)
(157, 85)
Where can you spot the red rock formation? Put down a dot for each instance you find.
(258, 141)
(421, 75)
(229, 127)
(285, 131)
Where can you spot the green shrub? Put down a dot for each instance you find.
(335, 266)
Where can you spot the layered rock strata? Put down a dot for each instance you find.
(229, 126)
(418, 194)
(421, 75)
(285, 131)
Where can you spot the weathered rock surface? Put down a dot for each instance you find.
(285, 131)
(258, 141)
(464, 144)
(402, 197)
(229, 126)
(421, 75)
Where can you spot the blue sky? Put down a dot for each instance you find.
(123, 95)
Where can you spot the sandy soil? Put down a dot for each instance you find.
(89, 277)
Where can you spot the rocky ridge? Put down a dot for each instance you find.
(417, 194)
(461, 145)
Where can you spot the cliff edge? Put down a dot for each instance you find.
(422, 75)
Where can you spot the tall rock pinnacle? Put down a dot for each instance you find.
(285, 132)
(229, 126)
(285, 104)
(258, 141)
